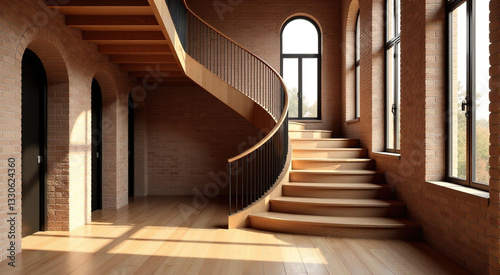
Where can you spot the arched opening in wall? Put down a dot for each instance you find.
(34, 143)
(112, 145)
(97, 138)
(353, 62)
(301, 66)
(54, 158)
(130, 146)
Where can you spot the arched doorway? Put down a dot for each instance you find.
(34, 143)
(96, 146)
(130, 146)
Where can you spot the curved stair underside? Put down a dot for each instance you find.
(139, 37)
(334, 190)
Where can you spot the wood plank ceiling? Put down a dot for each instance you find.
(128, 32)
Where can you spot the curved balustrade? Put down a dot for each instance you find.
(253, 172)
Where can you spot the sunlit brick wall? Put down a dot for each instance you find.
(70, 64)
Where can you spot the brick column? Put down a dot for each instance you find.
(141, 152)
(494, 208)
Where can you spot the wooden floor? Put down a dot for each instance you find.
(169, 235)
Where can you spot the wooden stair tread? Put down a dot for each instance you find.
(329, 149)
(310, 131)
(333, 159)
(337, 172)
(340, 186)
(340, 202)
(359, 222)
(296, 123)
(323, 139)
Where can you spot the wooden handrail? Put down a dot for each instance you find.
(285, 109)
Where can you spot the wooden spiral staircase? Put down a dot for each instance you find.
(335, 191)
(333, 188)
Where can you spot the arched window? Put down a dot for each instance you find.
(393, 77)
(300, 67)
(357, 59)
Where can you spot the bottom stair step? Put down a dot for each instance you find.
(338, 227)
(339, 207)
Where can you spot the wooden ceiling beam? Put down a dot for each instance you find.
(142, 59)
(150, 68)
(158, 74)
(134, 49)
(97, 3)
(113, 20)
(122, 35)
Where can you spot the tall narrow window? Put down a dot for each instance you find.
(393, 58)
(301, 67)
(358, 69)
(468, 91)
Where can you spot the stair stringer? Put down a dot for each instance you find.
(241, 219)
(232, 97)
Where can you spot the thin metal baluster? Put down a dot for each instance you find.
(230, 189)
(236, 185)
(252, 179)
(261, 171)
(228, 64)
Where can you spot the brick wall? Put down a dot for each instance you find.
(257, 24)
(369, 129)
(70, 65)
(494, 209)
(190, 136)
(349, 16)
(141, 164)
(461, 226)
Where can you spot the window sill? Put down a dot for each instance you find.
(307, 120)
(470, 194)
(387, 155)
(353, 120)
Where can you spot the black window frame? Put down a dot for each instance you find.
(395, 43)
(357, 68)
(300, 57)
(451, 6)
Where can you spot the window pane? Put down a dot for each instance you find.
(310, 87)
(358, 88)
(458, 125)
(390, 20)
(300, 37)
(291, 77)
(398, 102)
(482, 132)
(358, 69)
(390, 98)
(398, 16)
(358, 30)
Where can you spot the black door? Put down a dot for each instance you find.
(130, 147)
(34, 133)
(96, 146)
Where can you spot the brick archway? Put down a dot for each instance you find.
(49, 49)
(115, 138)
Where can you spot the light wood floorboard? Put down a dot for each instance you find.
(161, 235)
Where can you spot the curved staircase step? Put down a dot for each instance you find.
(296, 126)
(297, 134)
(332, 164)
(339, 227)
(337, 176)
(324, 143)
(339, 207)
(338, 190)
(330, 152)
